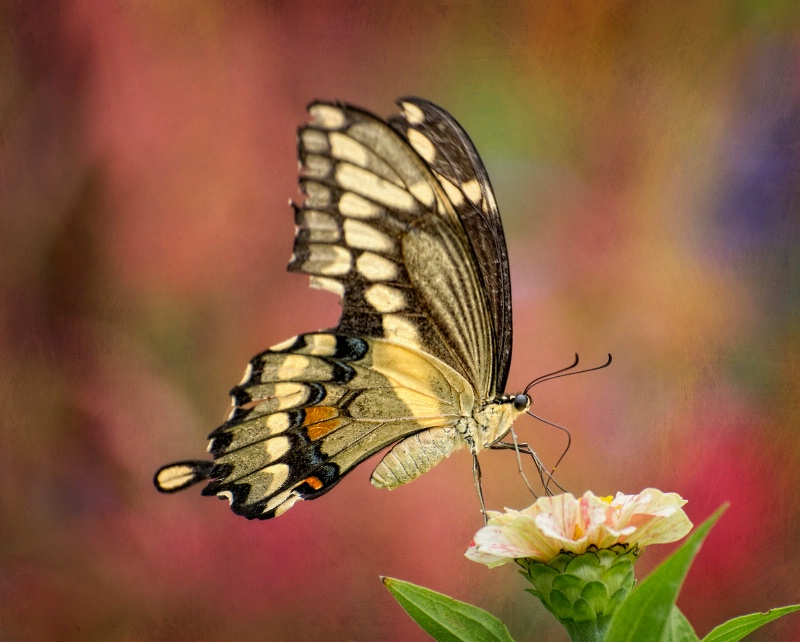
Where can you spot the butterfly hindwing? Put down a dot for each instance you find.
(310, 410)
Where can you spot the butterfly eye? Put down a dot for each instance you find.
(522, 403)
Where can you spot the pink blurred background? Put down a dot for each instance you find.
(646, 159)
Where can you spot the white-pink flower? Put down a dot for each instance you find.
(563, 523)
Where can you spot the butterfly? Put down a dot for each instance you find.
(400, 221)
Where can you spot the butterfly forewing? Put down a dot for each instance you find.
(377, 228)
(453, 159)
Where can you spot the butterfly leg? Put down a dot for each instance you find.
(476, 475)
(524, 449)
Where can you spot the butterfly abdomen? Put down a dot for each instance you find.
(416, 455)
(420, 452)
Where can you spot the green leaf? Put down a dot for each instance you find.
(738, 627)
(444, 618)
(679, 629)
(646, 614)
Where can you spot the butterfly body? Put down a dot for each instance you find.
(399, 220)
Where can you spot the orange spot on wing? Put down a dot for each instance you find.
(319, 413)
(323, 428)
(314, 482)
(320, 420)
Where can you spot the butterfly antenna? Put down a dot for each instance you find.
(551, 374)
(546, 477)
(563, 373)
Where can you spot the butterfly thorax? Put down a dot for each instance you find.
(485, 425)
(491, 422)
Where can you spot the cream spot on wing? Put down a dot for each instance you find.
(354, 205)
(365, 237)
(291, 501)
(376, 268)
(324, 283)
(315, 166)
(327, 259)
(293, 367)
(345, 148)
(290, 394)
(414, 115)
(385, 299)
(423, 192)
(277, 447)
(473, 190)
(287, 504)
(277, 423)
(226, 494)
(422, 144)
(248, 371)
(327, 116)
(314, 141)
(317, 195)
(288, 388)
(283, 345)
(321, 345)
(490, 199)
(372, 186)
(321, 226)
(398, 329)
(453, 193)
(175, 476)
(282, 502)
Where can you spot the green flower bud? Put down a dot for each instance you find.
(583, 591)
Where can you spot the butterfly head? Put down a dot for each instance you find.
(521, 402)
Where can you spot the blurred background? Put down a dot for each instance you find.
(646, 160)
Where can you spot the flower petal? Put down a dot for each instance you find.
(563, 523)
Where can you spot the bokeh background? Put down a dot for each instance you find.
(646, 159)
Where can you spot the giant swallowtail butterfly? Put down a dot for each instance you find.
(400, 221)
